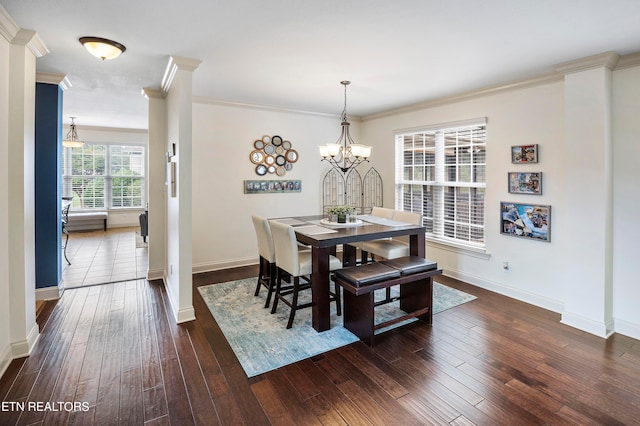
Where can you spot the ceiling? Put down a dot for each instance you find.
(294, 53)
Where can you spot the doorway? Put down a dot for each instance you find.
(101, 257)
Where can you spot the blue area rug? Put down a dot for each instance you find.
(262, 343)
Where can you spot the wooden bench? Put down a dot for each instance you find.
(85, 218)
(413, 274)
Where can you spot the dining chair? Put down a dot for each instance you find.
(65, 221)
(267, 265)
(297, 264)
(381, 212)
(395, 247)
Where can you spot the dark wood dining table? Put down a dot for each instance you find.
(324, 244)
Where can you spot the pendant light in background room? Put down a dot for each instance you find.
(71, 141)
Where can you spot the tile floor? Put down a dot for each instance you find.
(99, 257)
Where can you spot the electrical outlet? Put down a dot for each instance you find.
(505, 266)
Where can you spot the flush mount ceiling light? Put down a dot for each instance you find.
(71, 141)
(102, 48)
(345, 154)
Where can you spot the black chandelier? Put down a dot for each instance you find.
(345, 154)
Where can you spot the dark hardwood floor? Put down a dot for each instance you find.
(115, 350)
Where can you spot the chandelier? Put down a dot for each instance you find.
(345, 154)
(71, 141)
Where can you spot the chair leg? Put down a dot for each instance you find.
(276, 296)
(66, 241)
(294, 301)
(260, 276)
(272, 283)
(338, 300)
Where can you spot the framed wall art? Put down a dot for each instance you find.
(525, 183)
(531, 221)
(271, 186)
(524, 154)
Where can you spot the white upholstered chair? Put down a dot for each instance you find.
(266, 250)
(296, 263)
(381, 212)
(397, 246)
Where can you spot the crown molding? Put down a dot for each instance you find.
(473, 94)
(60, 80)
(106, 129)
(8, 27)
(602, 60)
(149, 93)
(246, 105)
(628, 61)
(609, 60)
(175, 64)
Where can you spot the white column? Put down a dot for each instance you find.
(177, 85)
(156, 188)
(588, 279)
(24, 49)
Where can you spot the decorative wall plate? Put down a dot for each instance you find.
(276, 140)
(258, 144)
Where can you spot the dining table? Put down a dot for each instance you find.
(324, 237)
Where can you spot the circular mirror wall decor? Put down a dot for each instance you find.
(273, 154)
(291, 155)
(261, 170)
(257, 156)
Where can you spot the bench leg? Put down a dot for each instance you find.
(418, 295)
(358, 315)
(105, 224)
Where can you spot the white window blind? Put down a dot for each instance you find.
(100, 176)
(441, 173)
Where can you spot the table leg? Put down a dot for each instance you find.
(348, 255)
(320, 318)
(417, 245)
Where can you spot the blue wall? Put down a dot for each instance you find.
(48, 181)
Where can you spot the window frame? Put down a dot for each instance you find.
(108, 176)
(415, 178)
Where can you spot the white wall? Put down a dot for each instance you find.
(528, 116)
(5, 347)
(223, 137)
(626, 174)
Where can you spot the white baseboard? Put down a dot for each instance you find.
(627, 328)
(5, 359)
(596, 328)
(155, 274)
(181, 315)
(514, 293)
(49, 293)
(216, 266)
(24, 347)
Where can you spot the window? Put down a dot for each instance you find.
(100, 176)
(441, 173)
